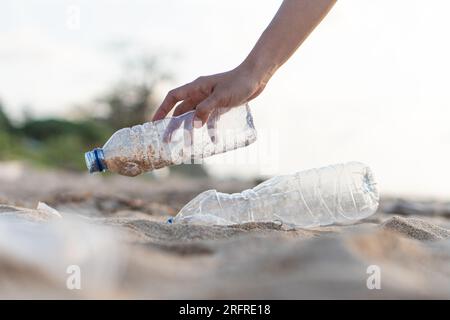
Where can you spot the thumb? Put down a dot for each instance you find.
(204, 110)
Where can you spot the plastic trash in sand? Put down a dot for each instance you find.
(57, 247)
(52, 212)
(154, 145)
(334, 194)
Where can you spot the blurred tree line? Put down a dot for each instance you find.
(61, 143)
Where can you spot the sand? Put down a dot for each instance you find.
(115, 230)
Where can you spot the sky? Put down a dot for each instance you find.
(370, 84)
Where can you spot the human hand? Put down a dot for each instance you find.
(206, 94)
(292, 24)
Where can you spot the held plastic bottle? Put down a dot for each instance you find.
(153, 145)
(334, 194)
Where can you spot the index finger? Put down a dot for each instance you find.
(174, 124)
(171, 99)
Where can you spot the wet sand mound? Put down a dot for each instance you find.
(416, 228)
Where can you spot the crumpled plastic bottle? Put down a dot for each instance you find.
(170, 141)
(334, 194)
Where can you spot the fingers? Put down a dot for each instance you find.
(257, 93)
(204, 109)
(185, 106)
(173, 125)
(188, 138)
(212, 126)
(171, 100)
(175, 122)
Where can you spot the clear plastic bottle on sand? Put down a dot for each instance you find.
(335, 194)
(153, 145)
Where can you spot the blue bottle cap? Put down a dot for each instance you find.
(95, 160)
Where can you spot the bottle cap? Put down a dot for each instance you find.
(95, 160)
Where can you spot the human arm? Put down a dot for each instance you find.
(292, 24)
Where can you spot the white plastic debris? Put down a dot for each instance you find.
(42, 206)
(341, 193)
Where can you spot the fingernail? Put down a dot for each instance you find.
(198, 123)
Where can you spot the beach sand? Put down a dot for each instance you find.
(114, 231)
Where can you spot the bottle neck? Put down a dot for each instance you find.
(95, 160)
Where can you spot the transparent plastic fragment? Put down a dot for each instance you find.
(334, 194)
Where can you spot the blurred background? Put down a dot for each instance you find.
(370, 84)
